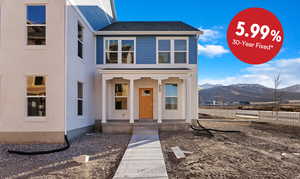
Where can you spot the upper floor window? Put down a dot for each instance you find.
(172, 50)
(119, 51)
(36, 24)
(80, 39)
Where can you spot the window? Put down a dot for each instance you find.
(172, 50)
(121, 95)
(80, 39)
(79, 98)
(36, 96)
(164, 51)
(36, 25)
(171, 97)
(180, 51)
(119, 51)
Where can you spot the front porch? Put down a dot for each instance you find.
(124, 126)
(126, 96)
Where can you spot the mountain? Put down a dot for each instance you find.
(294, 88)
(245, 92)
(207, 86)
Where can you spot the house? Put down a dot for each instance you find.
(66, 65)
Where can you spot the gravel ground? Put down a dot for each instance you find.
(260, 151)
(105, 153)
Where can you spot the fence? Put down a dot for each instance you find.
(281, 116)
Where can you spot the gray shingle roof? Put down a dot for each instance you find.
(149, 26)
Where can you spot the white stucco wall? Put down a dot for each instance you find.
(17, 61)
(82, 70)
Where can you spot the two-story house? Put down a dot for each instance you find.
(66, 65)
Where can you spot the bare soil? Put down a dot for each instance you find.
(105, 153)
(261, 150)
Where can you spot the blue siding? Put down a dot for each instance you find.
(99, 50)
(193, 56)
(146, 50)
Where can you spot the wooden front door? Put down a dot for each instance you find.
(146, 103)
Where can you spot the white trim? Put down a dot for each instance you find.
(81, 15)
(119, 52)
(66, 68)
(103, 6)
(113, 8)
(148, 32)
(172, 50)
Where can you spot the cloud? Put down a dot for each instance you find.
(211, 50)
(264, 74)
(209, 35)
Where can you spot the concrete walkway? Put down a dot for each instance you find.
(143, 157)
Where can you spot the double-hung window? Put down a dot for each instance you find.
(79, 98)
(36, 24)
(36, 96)
(171, 96)
(80, 40)
(121, 96)
(172, 50)
(119, 51)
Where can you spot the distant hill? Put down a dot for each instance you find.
(245, 92)
(207, 86)
(294, 88)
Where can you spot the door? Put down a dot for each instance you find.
(146, 103)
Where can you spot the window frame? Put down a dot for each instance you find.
(36, 118)
(172, 50)
(165, 96)
(36, 25)
(114, 96)
(80, 99)
(80, 41)
(119, 51)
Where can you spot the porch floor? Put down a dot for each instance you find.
(143, 157)
(123, 126)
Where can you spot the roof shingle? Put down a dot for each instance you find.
(149, 26)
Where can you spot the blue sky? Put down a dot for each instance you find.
(217, 65)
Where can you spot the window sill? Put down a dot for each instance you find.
(81, 60)
(80, 117)
(36, 119)
(36, 47)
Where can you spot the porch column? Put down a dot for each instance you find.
(159, 98)
(131, 101)
(103, 100)
(188, 100)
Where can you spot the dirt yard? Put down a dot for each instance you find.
(259, 151)
(105, 153)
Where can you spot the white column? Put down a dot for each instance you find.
(159, 99)
(104, 102)
(131, 101)
(189, 100)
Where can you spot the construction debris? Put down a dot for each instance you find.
(81, 159)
